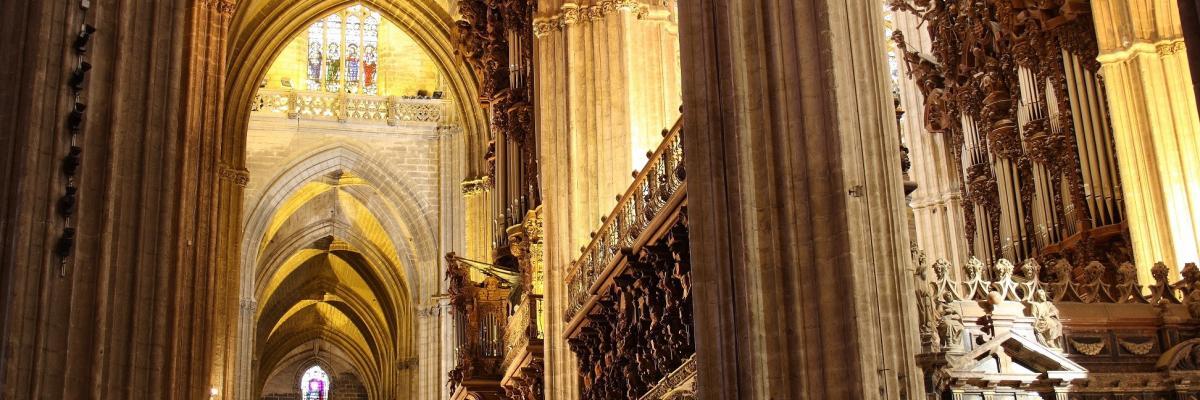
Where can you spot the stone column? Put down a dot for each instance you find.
(800, 263)
(139, 308)
(1155, 124)
(937, 202)
(607, 84)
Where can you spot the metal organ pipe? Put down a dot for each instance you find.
(1095, 146)
(974, 154)
(1033, 107)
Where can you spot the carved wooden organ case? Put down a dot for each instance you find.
(1014, 86)
(480, 313)
(496, 39)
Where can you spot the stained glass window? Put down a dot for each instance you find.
(314, 384)
(343, 51)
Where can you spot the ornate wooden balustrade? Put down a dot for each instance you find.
(344, 107)
(1064, 331)
(657, 189)
(523, 358)
(630, 307)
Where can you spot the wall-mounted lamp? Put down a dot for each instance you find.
(213, 392)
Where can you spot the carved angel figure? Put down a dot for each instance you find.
(1127, 284)
(943, 285)
(1031, 282)
(1161, 291)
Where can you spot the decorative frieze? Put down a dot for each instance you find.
(1055, 330)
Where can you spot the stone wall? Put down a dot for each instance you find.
(409, 154)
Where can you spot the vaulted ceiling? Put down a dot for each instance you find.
(328, 272)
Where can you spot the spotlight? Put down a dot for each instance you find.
(75, 119)
(85, 34)
(71, 162)
(66, 204)
(77, 76)
(65, 242)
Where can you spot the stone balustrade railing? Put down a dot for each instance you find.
(344, 107)
(652, 189)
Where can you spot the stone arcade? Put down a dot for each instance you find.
(604, 199)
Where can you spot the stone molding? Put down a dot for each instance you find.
(572, 13)
(239, 176)
(476, 186)
(223, 7)
(1162, 48)
(249, 305)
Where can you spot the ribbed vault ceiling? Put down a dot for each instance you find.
(329, 273)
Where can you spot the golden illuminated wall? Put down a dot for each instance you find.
(1155, 125)
(404, 67)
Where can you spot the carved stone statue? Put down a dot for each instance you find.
(929, 317)
(1128, 289)
(942, 283)
(950, 325)
(1046, 322)
(976, 287)
(1003, 283)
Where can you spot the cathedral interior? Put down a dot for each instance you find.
(600, 199)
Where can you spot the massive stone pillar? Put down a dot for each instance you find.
(607, 84)
(1155, 124)
(137, 308)
(800, 252)
(937, 203)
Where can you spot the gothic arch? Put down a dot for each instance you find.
(261, 28)
(413, 220)
(393, 270)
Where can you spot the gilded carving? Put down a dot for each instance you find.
(1088, 348)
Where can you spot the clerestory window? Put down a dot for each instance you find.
(343, 51)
